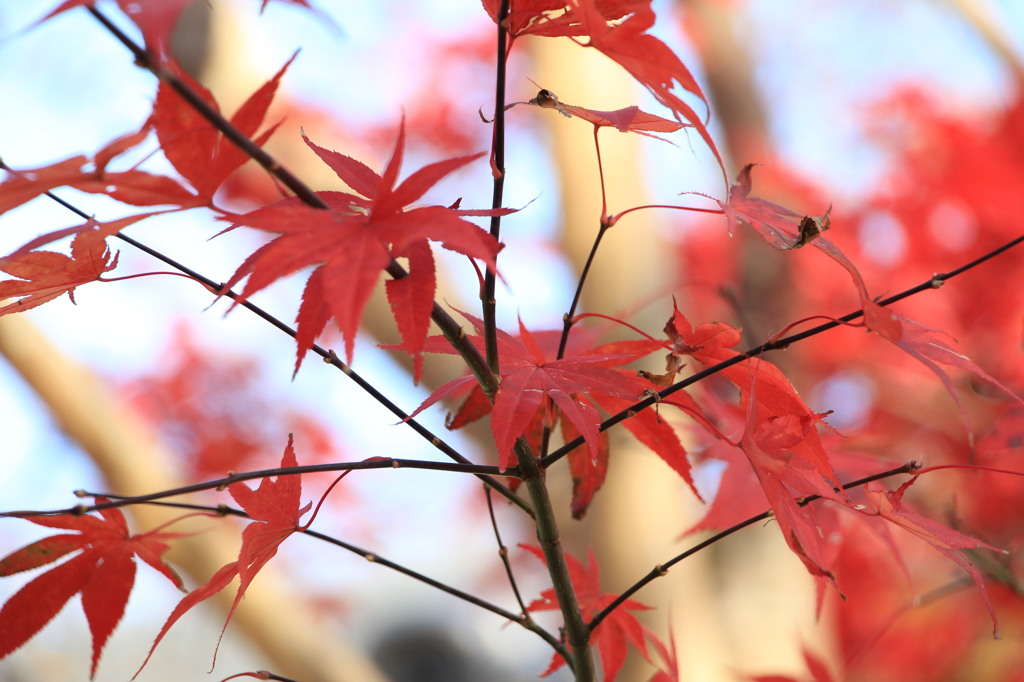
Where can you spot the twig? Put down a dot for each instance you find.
(503, 553)
(377, 463)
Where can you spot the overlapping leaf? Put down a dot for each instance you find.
(103, 573)
(779, 438)
(538, 389)
(785, 229)
(951, 543)
(197, 150)
(356, 238)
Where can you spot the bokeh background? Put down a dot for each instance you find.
(904, 115)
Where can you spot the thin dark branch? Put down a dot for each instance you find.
(503, 553)
(935, 282)
(488, 301)
(379, 463)
(662, 569)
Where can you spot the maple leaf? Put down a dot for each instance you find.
(135, 187)
(197, 150)
(779, 435)
(612, 634)
(951, 543)
(925, 345)
(45, 275)
(530, 373)
(274, 511)
(355, 239)
(103, 573)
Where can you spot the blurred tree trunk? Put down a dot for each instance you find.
(765, 595)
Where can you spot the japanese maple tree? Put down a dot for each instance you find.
(745, 435)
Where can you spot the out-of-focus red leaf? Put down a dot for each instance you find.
(103, 573)
(212, 408)
(819, 672)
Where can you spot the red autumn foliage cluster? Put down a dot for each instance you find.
(782, 459)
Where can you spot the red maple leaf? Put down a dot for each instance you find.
(275, 512)
(197, 150)
(889, 506)
(134, 186)
(103, 573)
(530, 373)
(785, 229)
(45, 275)
(928, 347)
(779, 438)
(355, 239)
(614, 633)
